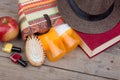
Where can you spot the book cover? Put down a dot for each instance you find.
(93, 44)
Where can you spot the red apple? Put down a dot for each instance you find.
(8, 28)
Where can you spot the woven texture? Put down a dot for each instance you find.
(31, 15)
(92, 7)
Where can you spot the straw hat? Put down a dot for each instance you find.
(90, 16)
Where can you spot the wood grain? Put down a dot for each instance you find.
(11, 71)
(74, 66)
(105, 64)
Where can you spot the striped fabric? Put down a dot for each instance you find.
(31, 15)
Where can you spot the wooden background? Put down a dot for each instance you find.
(74, 66)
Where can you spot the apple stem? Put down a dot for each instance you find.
(4, 21)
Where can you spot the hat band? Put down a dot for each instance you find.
(89, 17)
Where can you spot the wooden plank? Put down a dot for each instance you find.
(106, 64)
(8, 8)
(11, 71)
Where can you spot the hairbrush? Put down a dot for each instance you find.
(34, 51)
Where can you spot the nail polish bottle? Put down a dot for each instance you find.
(17, 58)
(8, 48)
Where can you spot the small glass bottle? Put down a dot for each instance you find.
(9, 47)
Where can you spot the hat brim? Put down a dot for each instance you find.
(87, 26)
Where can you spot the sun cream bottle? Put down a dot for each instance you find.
(68, 36)
(53, 45)
(59, 41)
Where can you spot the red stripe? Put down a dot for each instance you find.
(39, 9)
(19, 13)
(35, 3)
(20, 7)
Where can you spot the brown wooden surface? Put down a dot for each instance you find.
(74, 66)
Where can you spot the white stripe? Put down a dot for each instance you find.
(62, 29)
(25, 2)
(24, 25)
(38, 14)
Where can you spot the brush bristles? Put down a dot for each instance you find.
(34, 51)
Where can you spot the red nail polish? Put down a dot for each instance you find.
(17, 58)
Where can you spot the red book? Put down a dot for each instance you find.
(93, 44)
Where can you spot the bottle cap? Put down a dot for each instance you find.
(7, 48)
